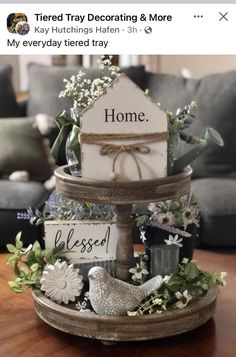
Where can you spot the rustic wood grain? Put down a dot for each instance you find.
(124, 249)
(122, 192)
(23, 334)
(126, 328)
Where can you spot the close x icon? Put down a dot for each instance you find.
(223, 16)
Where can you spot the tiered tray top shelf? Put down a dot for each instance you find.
(121, 193)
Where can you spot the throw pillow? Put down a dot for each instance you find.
(8, 104)
(215, 95)
(22, 148)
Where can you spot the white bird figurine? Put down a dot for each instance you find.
(110, 296)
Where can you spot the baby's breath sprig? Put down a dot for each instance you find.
(84, 91)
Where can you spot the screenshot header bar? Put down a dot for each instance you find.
(133, 29)
(30, 2)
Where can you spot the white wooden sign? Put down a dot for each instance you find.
(83, 241)
(123, 135)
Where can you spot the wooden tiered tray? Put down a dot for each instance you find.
(122, 195)
(124, 328)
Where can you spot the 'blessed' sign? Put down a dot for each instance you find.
(83, 240)
(123, 135)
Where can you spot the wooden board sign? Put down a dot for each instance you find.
(123, 135)
(83, 241)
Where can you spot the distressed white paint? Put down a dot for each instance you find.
(124, 97)
(84, 241)
(61, 282)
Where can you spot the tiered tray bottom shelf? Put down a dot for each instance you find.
(124, 328)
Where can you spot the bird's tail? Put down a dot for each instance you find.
(152, 284)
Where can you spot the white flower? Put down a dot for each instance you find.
(153, 207)
(81, 305)
(86, 296)
(83, 91)
(223, 275)
(185, 261)
(131, 313)
(183, 299)
(166, 278)
(157, 301)
(164, 218)
(174, 240)
(61, 282)
(138, 272)
(189, 216)
(142, 236)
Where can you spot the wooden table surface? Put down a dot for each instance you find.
(22, 333)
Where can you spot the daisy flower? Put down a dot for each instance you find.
(164, 218)
(138, 272)
(189, 216)
(183, 299)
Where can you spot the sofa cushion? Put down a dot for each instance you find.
(217, 202)
(21, 195)
(17, 197)
(8, 107)
(216, 98)
(46, 82)
(22, 148)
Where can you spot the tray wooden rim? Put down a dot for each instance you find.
(117, 328)
(122, 192)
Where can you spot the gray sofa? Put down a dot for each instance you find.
(214, 172)
(21, 148)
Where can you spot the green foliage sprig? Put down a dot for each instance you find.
(29, 263)
(186, 283)
(182, 120)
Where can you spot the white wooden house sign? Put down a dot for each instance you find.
(123, 135)
(83, 241)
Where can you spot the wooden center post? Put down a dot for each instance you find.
(124, 250)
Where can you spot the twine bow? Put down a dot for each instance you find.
(108, 149)
(117, 149)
